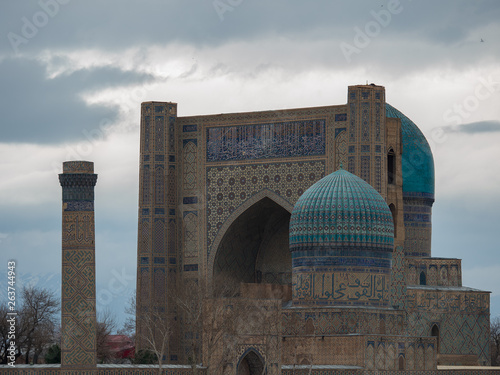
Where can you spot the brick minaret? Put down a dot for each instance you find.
(78, 296)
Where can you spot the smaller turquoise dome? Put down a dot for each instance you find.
(341, 240)
(341, 210)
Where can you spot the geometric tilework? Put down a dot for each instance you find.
(462, 318)
(159, 136)
(398, 278)
(378, 174)
(352, 123)
(190, 234)
(365, 122)
(159, 184)
(145, 184)
(340, 149)
(365, 168)
(190, 165)
(78, 314)
(146, 136)
(377, 122)
(159, 232)
(229, 187)
(171, 186)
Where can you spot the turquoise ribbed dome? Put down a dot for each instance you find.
(341, 210)
(417, 162)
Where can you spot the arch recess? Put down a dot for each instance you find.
(250, 363)
(263, 194)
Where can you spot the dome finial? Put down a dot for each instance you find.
(341, 166)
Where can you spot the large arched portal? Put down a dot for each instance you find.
(250, 364)
(254, 248)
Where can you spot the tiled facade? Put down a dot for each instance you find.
(285, 370)
(78, 294)
(216, 197)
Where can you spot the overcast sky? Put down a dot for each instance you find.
(73, 74)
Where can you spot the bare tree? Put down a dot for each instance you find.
(128, 328)
(495, 341)
(270, 323)
(219, 333)
(106, 323)
(221, 309)
(208, 317)
(155, 333)
(189, 300)
(6, 334)
(37, 321)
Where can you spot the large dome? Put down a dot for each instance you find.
(341, 210)
(417, 162)
(341, 239)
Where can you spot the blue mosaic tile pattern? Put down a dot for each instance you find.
(261, 141)
(417, 161)
(337, 214)
(341, 117)
(189, 128)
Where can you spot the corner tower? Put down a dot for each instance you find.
(78, 296)
(157, 256)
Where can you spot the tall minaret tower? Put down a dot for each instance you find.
(78, 296)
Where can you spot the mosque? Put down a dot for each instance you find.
(278, 242)
(319, 219)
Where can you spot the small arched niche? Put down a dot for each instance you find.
(251, 363)
(391, 167)
(423, 278)
(435, 333)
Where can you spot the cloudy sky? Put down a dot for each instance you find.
(73, 74)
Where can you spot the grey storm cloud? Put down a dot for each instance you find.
(116, 24)
(36, 109)
(492, 126)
